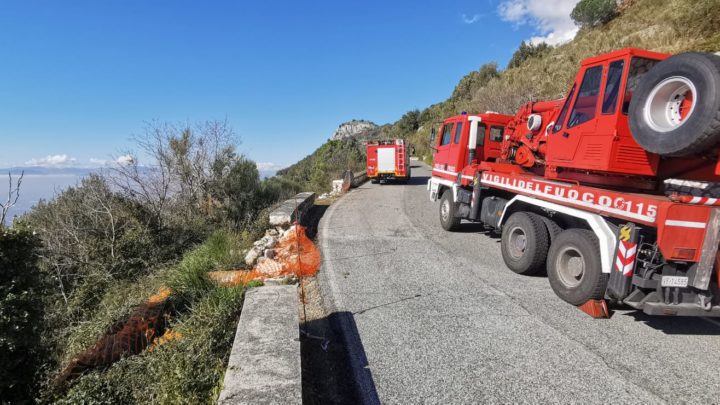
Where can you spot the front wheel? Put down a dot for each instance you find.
(448, 210)
(574, 267)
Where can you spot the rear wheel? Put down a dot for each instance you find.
(553, 228)
(675, 110)
(448, 210)
(524, 244)
(574, 267)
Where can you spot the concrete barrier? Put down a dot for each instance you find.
(286, 213)
(264, 365)
(359, 178)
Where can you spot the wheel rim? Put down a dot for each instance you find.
(570, 266)
(445, 210)
(670, 104)
(517, 242)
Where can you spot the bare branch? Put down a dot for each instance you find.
(13, 197)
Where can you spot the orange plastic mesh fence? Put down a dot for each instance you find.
(295, 255)
(132, 335)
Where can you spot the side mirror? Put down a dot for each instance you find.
(432, 135)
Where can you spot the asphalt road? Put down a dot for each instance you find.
(438, 318)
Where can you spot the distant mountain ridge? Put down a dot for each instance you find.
(48, 170)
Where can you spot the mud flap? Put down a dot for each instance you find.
(623, 268)
(475, 201)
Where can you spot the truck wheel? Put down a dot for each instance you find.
(448, 209)
(374, 181)
(675, 110)
(524, 243)
(574, 268)
(553, 228)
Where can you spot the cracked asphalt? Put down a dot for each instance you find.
(438, 318)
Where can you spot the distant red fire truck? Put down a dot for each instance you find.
(387, 160)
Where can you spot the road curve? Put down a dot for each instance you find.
(438, 318)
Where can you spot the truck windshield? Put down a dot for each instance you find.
(482, 129)
(496, 133)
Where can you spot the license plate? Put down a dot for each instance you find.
(674, 281)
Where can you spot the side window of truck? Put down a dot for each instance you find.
(447, 134)
(458, 132)
(481, 134)
(586, 102)
(496, 134)
(612, 88)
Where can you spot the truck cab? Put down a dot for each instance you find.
(466, 139)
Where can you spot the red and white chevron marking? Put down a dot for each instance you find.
(688, 199)
(626, 257)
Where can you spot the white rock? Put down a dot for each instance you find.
(251, 257)
(271, 242)
(271, 232)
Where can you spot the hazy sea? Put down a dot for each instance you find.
(45, 186)
(35, 187)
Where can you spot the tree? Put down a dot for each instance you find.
(526, 51)
(591, 13)
(409, 122)
(185, 162)
(475, 80)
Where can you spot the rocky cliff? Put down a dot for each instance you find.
(358, 129)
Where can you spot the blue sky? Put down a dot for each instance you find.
(78, 78)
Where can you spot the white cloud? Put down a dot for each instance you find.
(472, 19)
(52, 160)
(551, 18)
(98, 162)
(269, 166)
(124, 159)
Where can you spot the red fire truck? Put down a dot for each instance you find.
(586, 187)
(387, 160)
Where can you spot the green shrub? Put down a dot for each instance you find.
(526, 51)
(591, 13)
(21, 317)
(474, 80)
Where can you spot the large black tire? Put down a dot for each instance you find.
(448, 211)
(524, 243)
(574, 268)
(553, 228)
(374, 181)
(660, 123)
